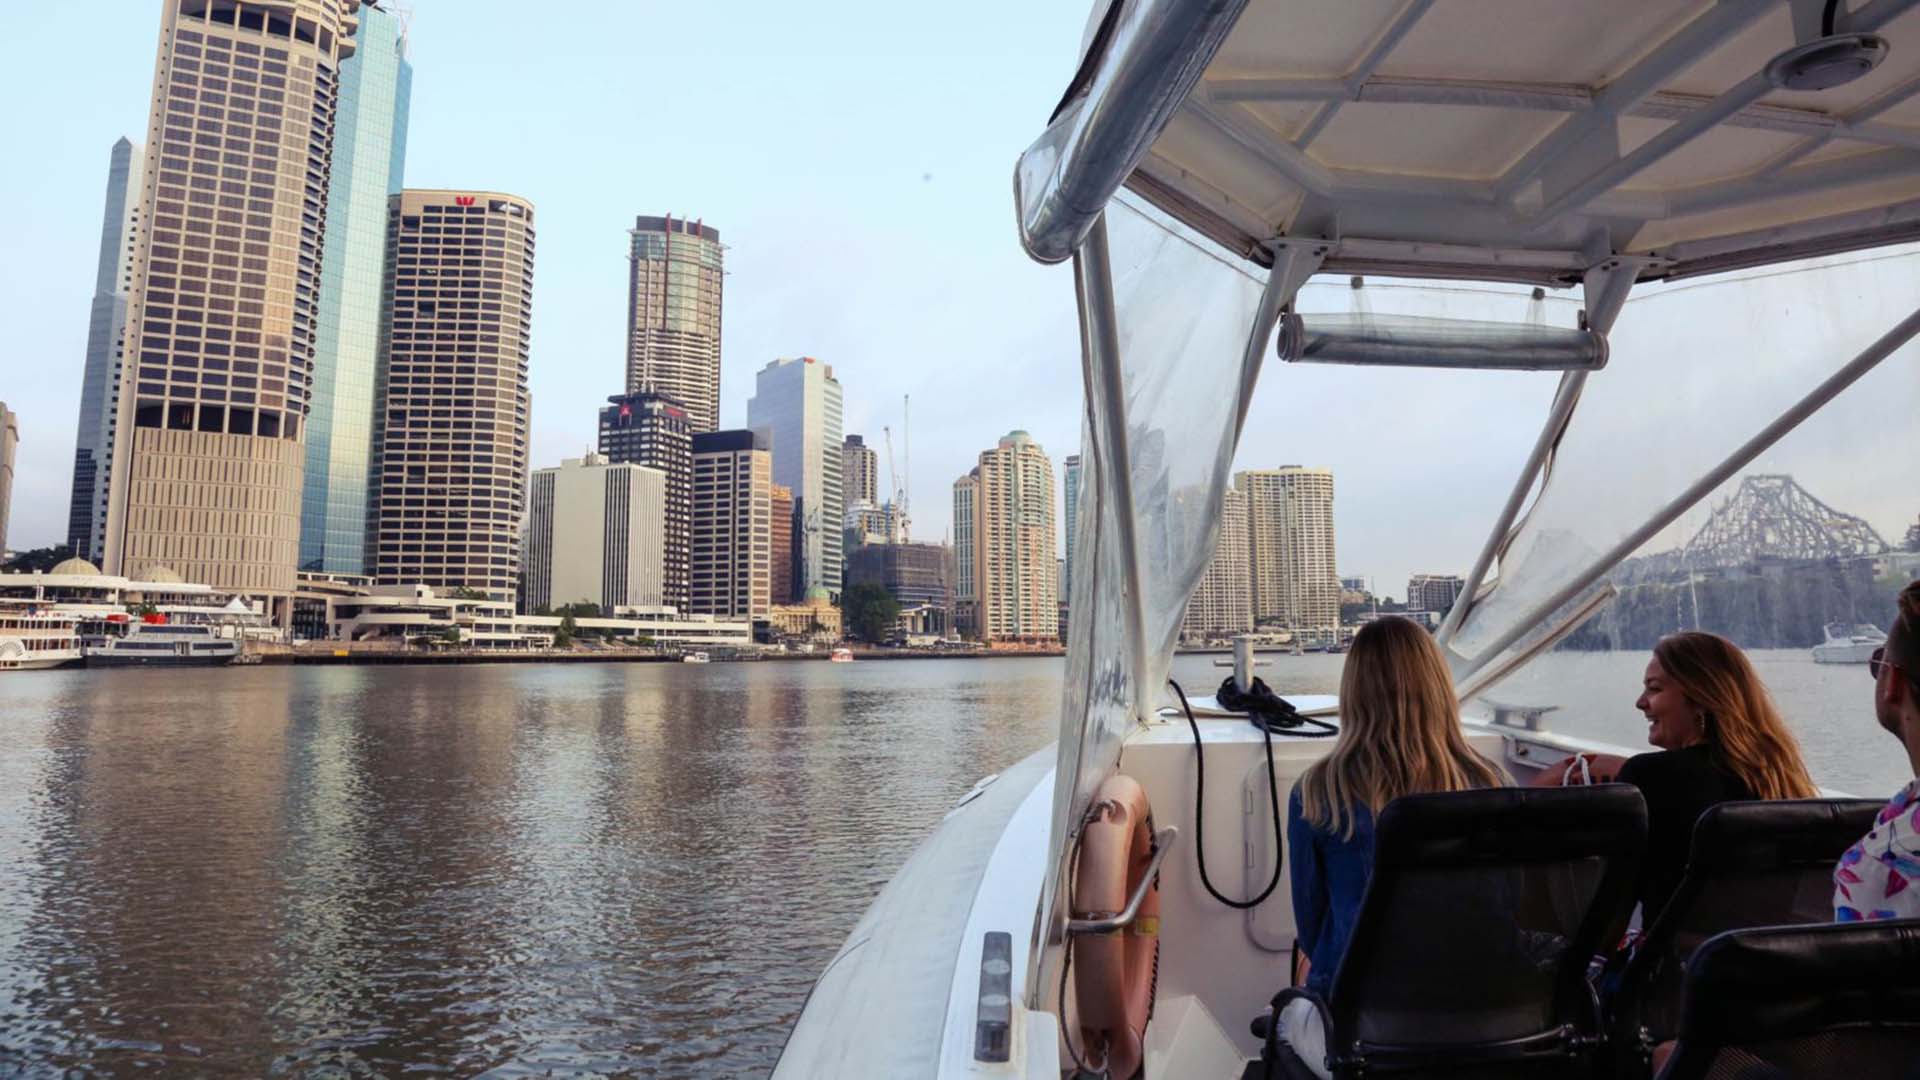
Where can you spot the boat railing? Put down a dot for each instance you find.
(1120, 920)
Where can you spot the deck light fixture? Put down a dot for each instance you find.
(1824, 63)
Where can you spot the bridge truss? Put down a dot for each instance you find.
(1772, 517)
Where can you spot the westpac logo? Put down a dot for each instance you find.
(463, 200)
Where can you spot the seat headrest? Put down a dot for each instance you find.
(1511, 825)
(1781, 981)
(1778, 832)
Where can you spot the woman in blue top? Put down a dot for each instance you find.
(1399, 735)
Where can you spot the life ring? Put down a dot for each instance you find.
(1114, 972)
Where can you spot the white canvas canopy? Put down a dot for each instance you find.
(1497, 139)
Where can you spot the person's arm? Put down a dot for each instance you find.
(1308, 877)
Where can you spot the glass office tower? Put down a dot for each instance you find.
(369, 153)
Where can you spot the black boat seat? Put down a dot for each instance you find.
(1834, 1002)
(1761, 863)
(1470, 951)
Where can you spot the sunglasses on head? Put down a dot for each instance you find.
(1879, 660)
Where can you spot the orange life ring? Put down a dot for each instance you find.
(1114, 972)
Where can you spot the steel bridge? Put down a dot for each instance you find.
(1772, 518)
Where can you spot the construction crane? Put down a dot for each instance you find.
(896, 481)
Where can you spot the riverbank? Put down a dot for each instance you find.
(351, 656)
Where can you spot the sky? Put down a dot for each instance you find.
(856, 157)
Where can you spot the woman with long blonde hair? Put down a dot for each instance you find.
(1399, 735)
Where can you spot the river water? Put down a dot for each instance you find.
(620, 869)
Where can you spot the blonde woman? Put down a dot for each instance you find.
(1399, 735)
(1721, 739)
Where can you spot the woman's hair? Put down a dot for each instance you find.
(1399, 730)
(1903, 639)
(1738, 715)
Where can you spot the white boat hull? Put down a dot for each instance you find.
(1855, 652)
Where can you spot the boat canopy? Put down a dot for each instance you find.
(1494, 139)
(1210, 156)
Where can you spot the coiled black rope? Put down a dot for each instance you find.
(1200, 799)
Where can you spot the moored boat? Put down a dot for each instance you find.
(31, 638)
(150, 644)
(695, 658)
(1849, 644)
(842, 656)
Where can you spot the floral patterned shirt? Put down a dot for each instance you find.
(1879, 877)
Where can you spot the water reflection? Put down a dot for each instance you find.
(620, 868)
(518, 869)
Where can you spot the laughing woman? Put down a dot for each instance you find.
(1721, 739)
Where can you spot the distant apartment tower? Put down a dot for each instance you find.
(100, 375)
(222, 313)
(862, 466)
(451, 402)
(1071, 509)
(594, 535)
(966, 592)
(675, 276)
(780, 544)
(797, 402)
(369, 150)
(655, 430)
(1222, 605)
(1433, 592)
(1290, 526)
(731, 568)
(9, 440)
(1016, 574)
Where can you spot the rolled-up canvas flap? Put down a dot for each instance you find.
(1420, 341)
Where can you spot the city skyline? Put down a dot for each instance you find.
(828, 248)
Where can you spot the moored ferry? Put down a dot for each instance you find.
(1688, 230)
(32, 638)
(150, 644)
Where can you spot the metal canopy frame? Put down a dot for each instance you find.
(1543, 220)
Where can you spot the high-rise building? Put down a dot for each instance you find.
(9, 439)
(966, 594)
(862, 467)
(208, 447)
(780, 544)
(1016, 574)
(1434, 592)
(100, 377)
(673, 314)
(797, 403)
(731, 570)
(652, 429)
(1222, 605)
(369, 149)
(1071, 507)
(1290, 526)
(450, 423)
(594, 535)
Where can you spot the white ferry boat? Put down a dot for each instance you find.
(841, 656)
(695, 658)
(1745, 172)
(33, 638)
(1849, 644)
(165, 645)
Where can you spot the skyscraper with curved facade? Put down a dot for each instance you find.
(369, 151)
(451, 421)
(673, 314)
(223, 303)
